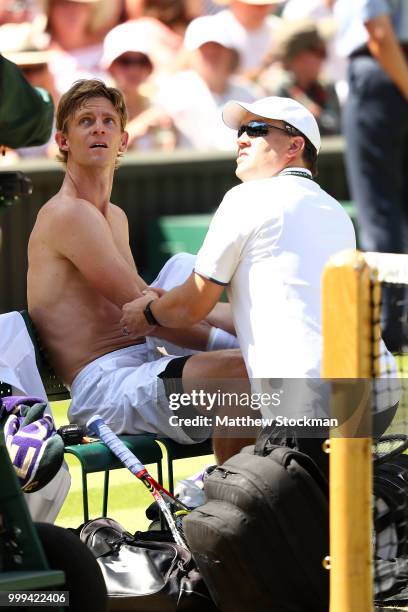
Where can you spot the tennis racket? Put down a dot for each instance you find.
(389, 446)
(163, 498)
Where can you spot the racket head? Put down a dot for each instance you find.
(174, 524)
(389, 446)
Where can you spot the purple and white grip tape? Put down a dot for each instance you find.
(98, 426)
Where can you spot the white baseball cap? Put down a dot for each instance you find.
(273, 107)
(208, 29)
(128, 36)
(252, 1)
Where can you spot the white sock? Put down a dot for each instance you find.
(220, 339)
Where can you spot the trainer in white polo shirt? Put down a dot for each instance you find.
(267, 244)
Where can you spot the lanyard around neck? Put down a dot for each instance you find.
(296, 172)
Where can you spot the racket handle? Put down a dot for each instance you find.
(98, 426)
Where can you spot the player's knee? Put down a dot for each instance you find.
(227, 364)
(182, 259)
(232, 363)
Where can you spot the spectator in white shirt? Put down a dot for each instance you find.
(321, 12)
(194, 97)
(251, 26)
(129, 57)
(78, 52)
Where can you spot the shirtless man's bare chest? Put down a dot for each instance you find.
(71, 252)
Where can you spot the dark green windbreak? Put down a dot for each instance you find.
(26, 112)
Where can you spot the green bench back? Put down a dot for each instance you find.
(54, 387)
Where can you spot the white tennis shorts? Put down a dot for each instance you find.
(124, 388)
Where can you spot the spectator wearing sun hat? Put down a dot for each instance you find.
(300, 51)
(65, 26)
(26, 46)
(78, 52)
(34, 64)
(129, 56)
(194, 97)
(164, 45)
(251, 26)
(322, 14)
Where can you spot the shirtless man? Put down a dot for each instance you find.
(81, 273)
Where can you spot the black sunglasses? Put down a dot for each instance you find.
(142, 60)
(259, 128)
(33, 68)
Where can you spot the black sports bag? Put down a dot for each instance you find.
(391, 531)
(261, 538)
(144, 573)
(391, 485)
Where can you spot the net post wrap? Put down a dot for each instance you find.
(349, 339)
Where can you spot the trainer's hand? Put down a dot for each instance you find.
(158, 290)
(133, 321)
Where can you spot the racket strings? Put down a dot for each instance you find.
(389, 407)
(389, 446)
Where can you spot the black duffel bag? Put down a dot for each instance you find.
(261, 538)
(391, 531)
(142, 573)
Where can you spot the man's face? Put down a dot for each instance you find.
(262, 156)
(36, 74)
(252, 16)
(66, 15)
(307, 65)
(94, 135)
(130, 70)
(212, 57)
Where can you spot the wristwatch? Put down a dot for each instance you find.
(149, 316)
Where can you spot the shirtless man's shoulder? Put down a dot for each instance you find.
(65, 208)
(61, 213)
(75, 229)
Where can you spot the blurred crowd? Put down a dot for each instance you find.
(178, 61)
